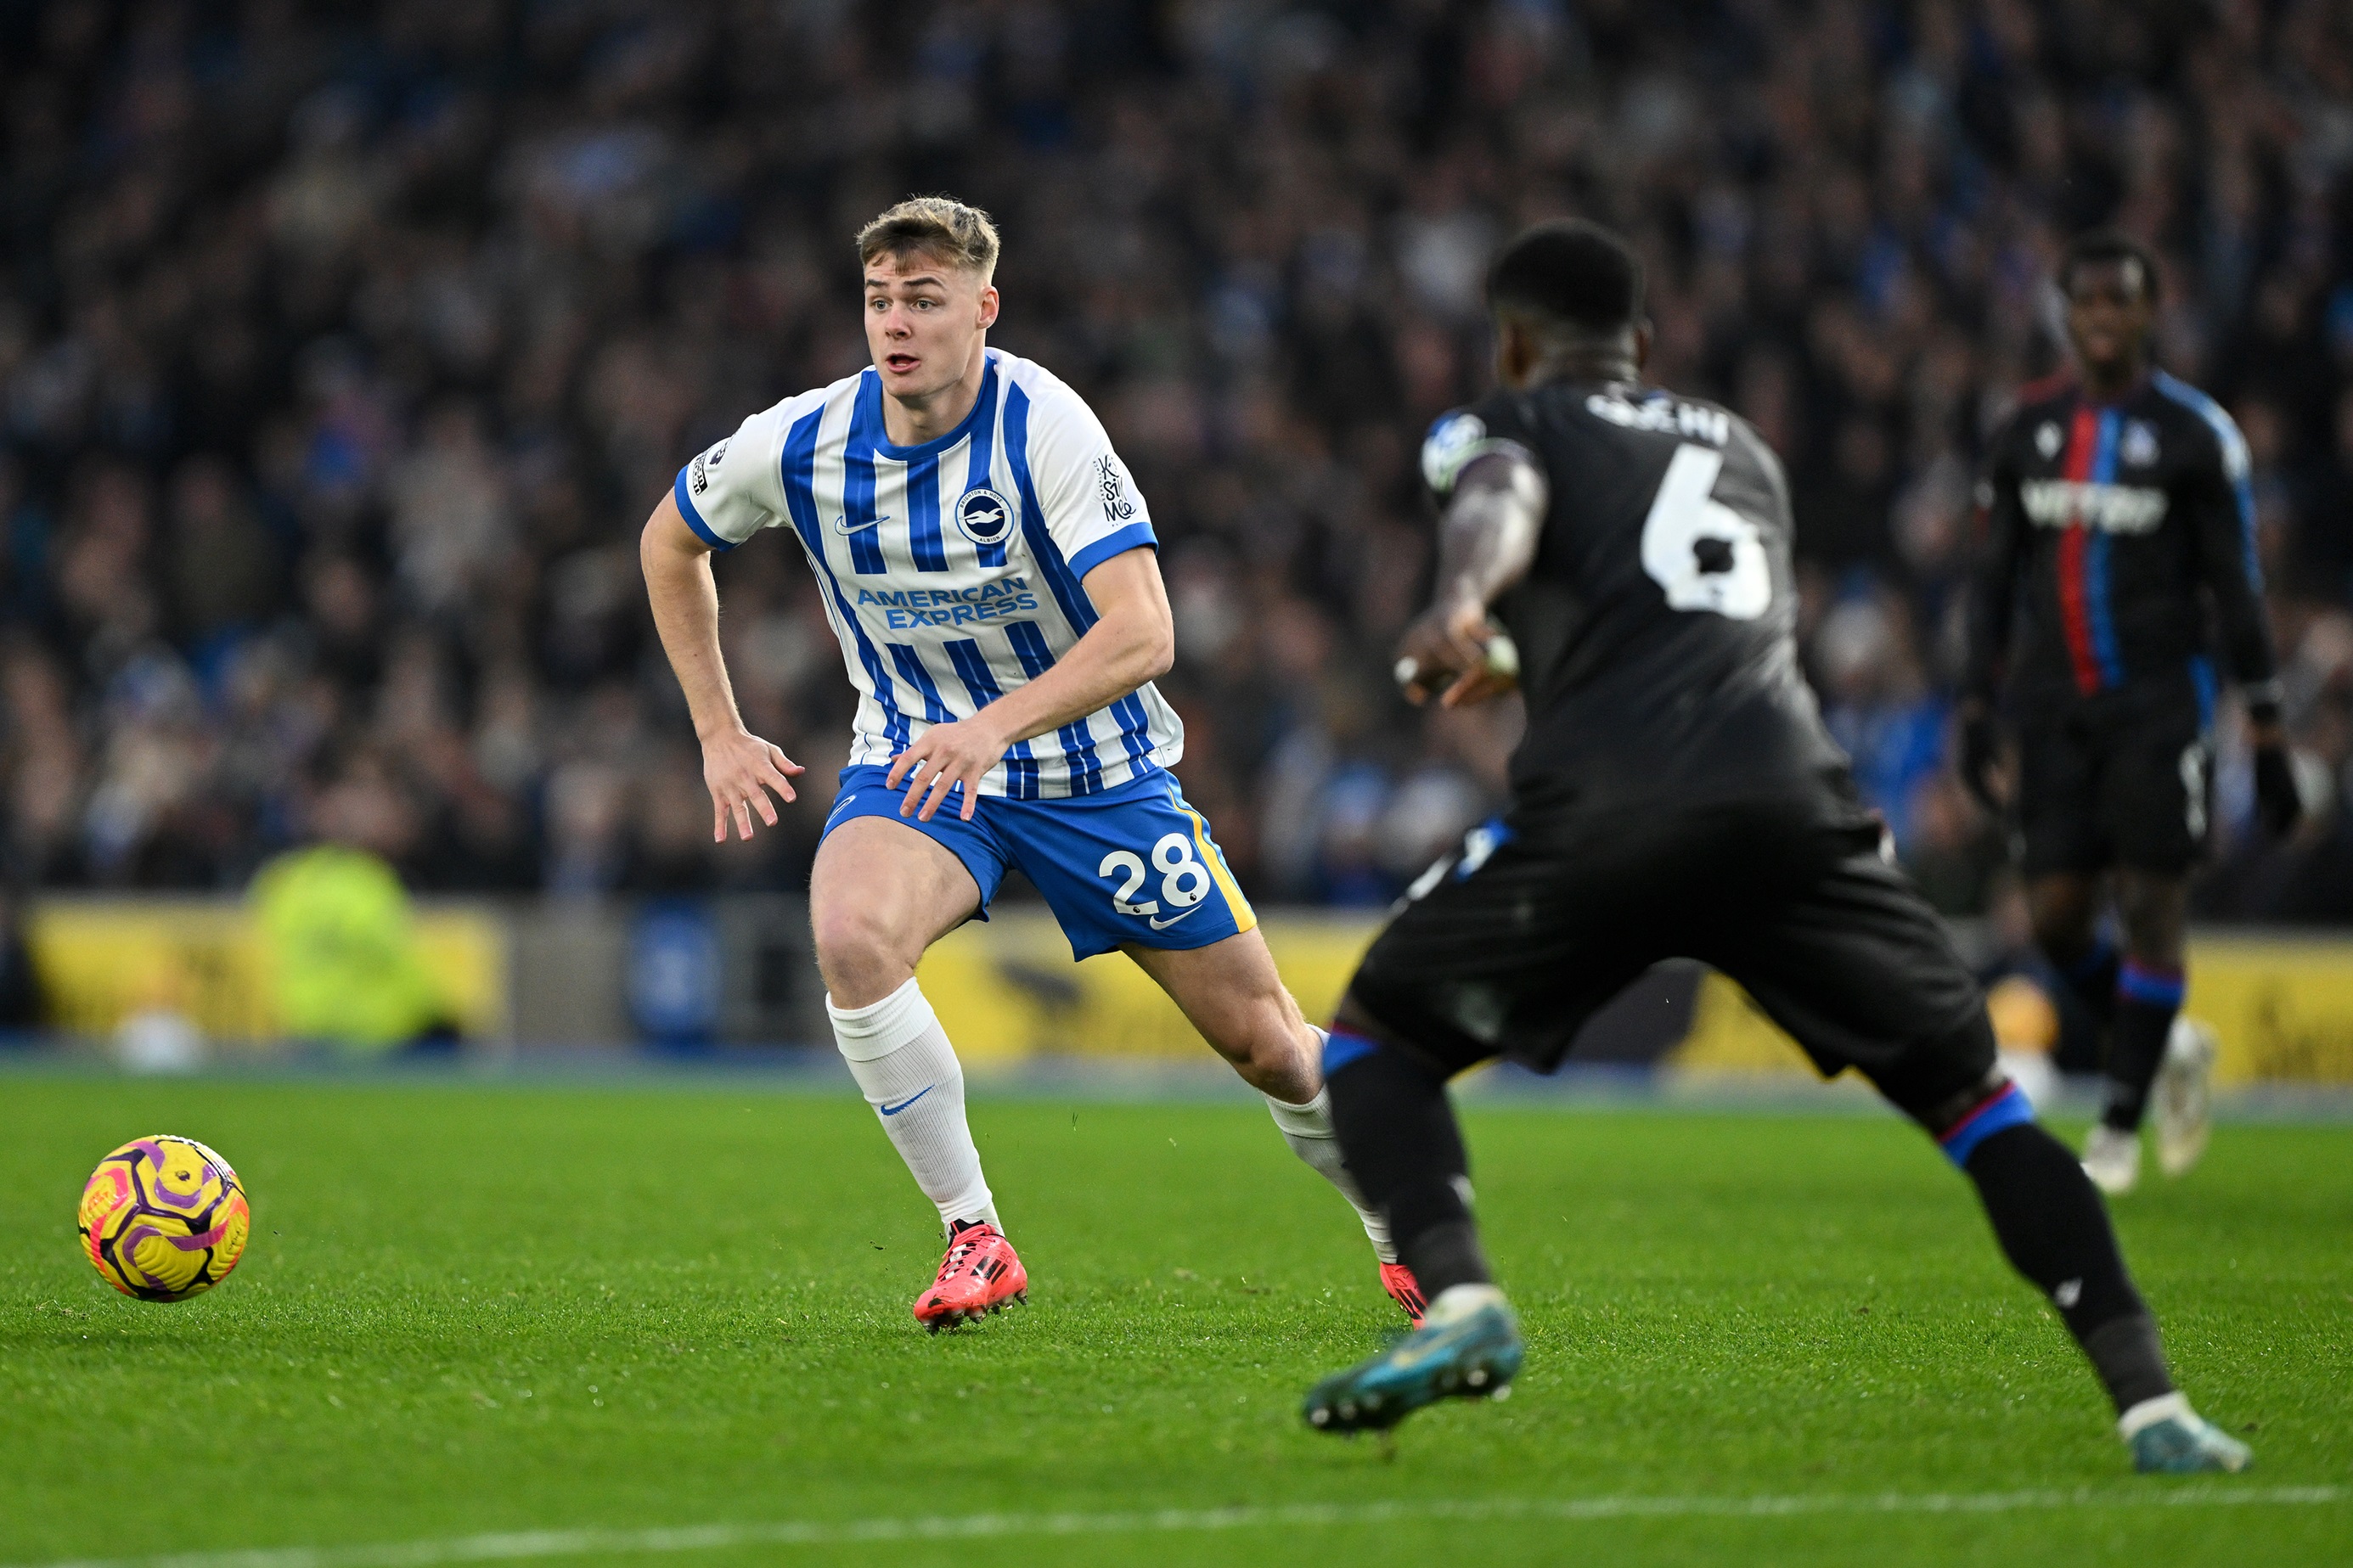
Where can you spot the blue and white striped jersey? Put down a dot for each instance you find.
(951, 571)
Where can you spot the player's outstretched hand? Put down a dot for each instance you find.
(2277, 800)
(943, 757)
(1454, 649)
(740, 770)
(1980, 761)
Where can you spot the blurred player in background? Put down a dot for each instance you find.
(992, 577)
(1676, 796)
(2115, 507)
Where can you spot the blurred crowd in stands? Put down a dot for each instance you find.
(345, 347)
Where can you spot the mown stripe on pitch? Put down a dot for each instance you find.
(523, 1544)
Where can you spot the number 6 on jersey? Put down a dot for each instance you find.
(1703, 553)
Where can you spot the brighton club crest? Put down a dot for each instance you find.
(984, 516)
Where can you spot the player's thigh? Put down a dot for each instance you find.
(2154, 908)
(1502, 949)
(1231, 992)
(885, 890)
(2063, 908)
(2059, 798)
(1132, 867)
(2156, 794)
(1860, 971)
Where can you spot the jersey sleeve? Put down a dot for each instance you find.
(1999, 527)
(2219, 499)
(1460, 438)
(1092, 509)
(735, 488)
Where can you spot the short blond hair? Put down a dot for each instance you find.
(938, 226)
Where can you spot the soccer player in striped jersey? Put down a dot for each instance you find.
(992, 574)
(2117, 507)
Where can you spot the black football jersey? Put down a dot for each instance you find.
(1656, 627)
(2100, 525)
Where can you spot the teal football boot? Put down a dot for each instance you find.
(2169, 1439)
(1466, 1348)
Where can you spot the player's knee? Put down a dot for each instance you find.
(1369, 1021)
(1948, 1081)
(2154, 911)
(1268, 1043)
(858, 953)
(2062, 930)
(1263, 1038)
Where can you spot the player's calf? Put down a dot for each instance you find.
(2052, 1226)
(1307, 1129)
(1231, 992)
(2148, 998)
(909, 1073)
(1399, 1137)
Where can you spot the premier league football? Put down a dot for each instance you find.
(1225, 781)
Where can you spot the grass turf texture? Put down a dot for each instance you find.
(473, 1308)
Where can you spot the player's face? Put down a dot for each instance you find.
(925, 322)
(2109, 313)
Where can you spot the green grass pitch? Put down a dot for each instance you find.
(484, 1309)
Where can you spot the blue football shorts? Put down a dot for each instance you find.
(1133, 866)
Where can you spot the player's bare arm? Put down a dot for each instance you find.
(1487, 542)
(1133, 642)
(740, 769)
(2000, 525)
(968, 646)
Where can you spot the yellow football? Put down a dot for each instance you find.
(163, 1218)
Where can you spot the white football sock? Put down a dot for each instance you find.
(903, 1063)
(1308, 1130)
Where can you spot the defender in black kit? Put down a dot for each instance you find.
(1675, 796)
(2118, 522)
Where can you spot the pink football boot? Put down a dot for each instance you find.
(1399, 1281)
(980, 1273)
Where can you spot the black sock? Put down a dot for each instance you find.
(1399, 1136)
(2048, 1218)
(2092, 976)
(2148, 997)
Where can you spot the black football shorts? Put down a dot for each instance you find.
(1507, 946)
(2123, 780)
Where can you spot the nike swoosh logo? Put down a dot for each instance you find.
(841, 523)
(1172, 920)
(894, 1110)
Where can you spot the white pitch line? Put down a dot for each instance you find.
(538, 1543)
